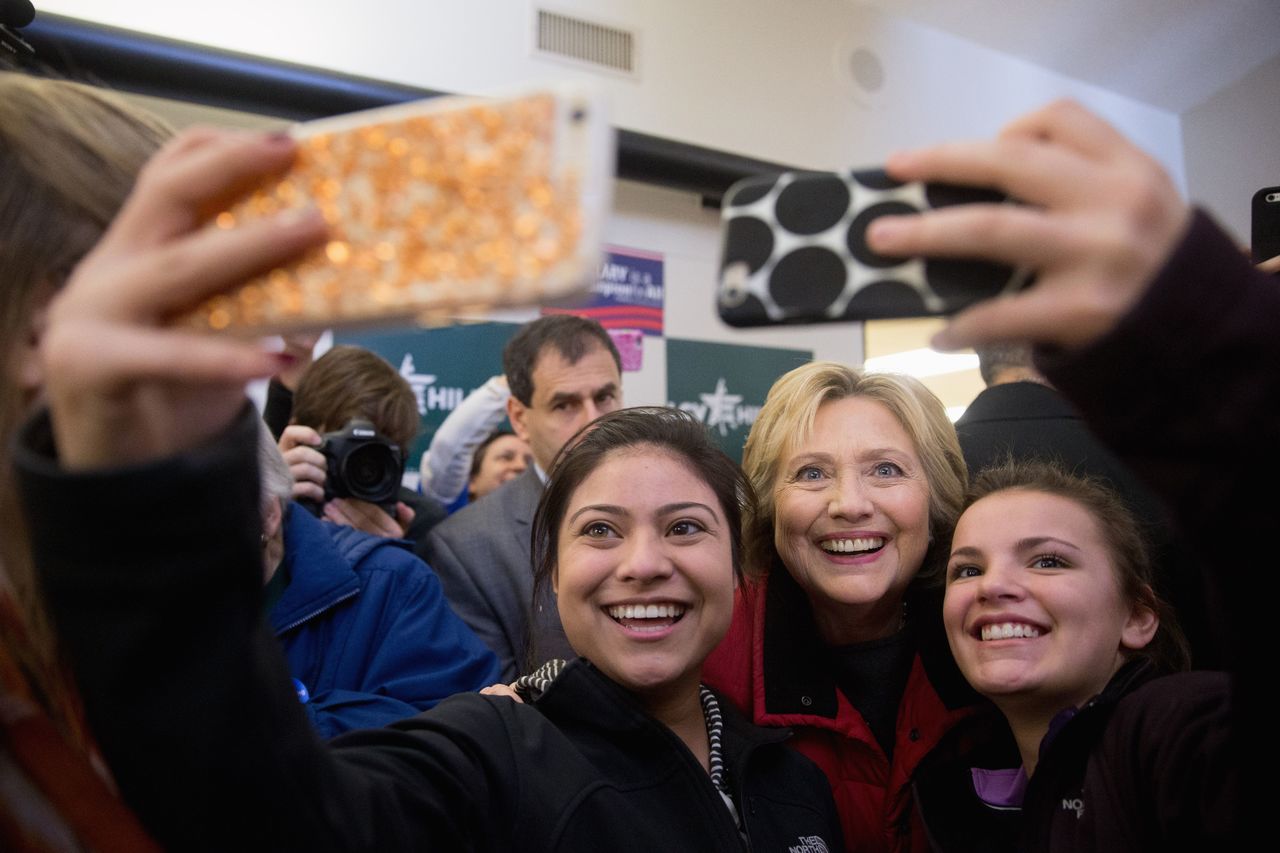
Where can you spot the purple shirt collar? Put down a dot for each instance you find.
(1005, 789)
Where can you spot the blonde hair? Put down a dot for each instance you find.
(786, 420)
(69, 155)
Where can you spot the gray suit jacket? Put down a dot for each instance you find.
(481, 554)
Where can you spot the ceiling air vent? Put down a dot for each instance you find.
(566, 37)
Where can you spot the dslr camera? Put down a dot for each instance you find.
(362, 464)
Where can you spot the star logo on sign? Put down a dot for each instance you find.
(722, 407)
(417, 381)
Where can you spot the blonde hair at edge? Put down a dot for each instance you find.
(69, 155)
(786, 422)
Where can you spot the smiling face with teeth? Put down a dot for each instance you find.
(1033, 610)
(851, 518)
(644, 572)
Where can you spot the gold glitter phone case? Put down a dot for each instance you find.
(438, 207)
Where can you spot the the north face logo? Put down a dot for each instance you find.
(809, 844)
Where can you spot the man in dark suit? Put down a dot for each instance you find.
(564, 372)
(1020, 414)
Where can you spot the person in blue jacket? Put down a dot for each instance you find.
(365, 628)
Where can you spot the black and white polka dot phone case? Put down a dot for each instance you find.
(795, 252)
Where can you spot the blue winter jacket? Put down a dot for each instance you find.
(366, 629)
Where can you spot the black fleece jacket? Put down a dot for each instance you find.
(1145, 765)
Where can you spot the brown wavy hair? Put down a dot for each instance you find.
(69, 155)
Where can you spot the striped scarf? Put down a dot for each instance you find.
(537, 682)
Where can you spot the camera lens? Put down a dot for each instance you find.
(372, 473)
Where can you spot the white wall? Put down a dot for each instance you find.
(1232, 147)
(767, 78)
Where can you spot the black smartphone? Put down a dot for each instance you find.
(794, 251)
(1265, 239)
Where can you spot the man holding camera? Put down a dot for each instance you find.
(345, 475)
(367, 631)
(564, 372)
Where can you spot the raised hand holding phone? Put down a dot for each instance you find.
(1099, 220)
(124, 385)
(795, 251)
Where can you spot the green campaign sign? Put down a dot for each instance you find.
(724, 385)
(442, 366)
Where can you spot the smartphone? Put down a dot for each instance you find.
(795, 251)
(452, 204)
(1265, 239)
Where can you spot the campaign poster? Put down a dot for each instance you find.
(442, 366)
(724, 385)
(627, 295)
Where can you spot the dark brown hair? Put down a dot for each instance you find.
(477, 458)
(1126, 544)
(350, 382)
(568, 334)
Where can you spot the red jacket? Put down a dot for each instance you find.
(775, 677)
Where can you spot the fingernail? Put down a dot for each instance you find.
(280, 138)
(898, 160)
(942, 342)
(884, 231)
(307, 217)
(284, 359)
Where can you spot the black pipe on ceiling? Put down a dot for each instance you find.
(166, 68)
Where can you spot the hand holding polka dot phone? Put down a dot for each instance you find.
(795, 252)
(435, 207)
